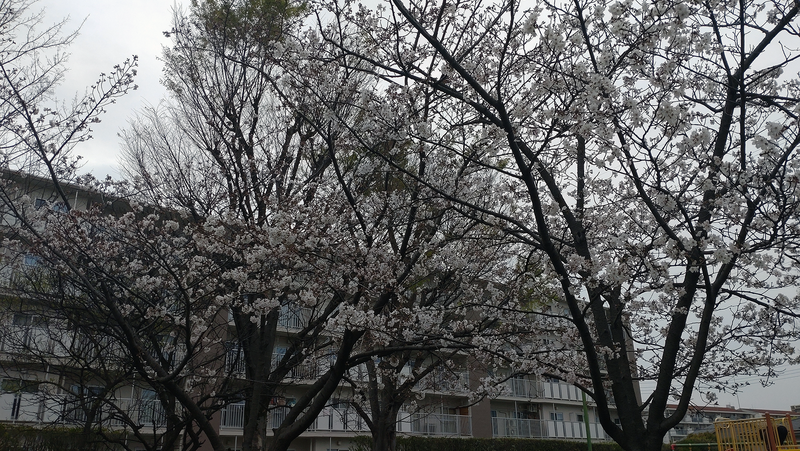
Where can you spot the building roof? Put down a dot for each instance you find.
(772, 412)
(711, 409)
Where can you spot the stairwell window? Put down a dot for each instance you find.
(59, 207)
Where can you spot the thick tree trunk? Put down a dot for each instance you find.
(308, 406)
(384, 433)
(258, 343)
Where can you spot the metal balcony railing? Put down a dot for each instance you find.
(116, 413)
(445, 381)
(531, 428)
(538, 389)
(232, 416)
(440, 424)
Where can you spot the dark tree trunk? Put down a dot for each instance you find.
(384, 432)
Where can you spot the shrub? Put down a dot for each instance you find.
(485, 444)
(700, 437)
(27, 438)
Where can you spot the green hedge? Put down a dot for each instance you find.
(26, 438)
(700, 437)
(486, 444)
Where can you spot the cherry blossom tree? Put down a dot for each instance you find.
(125, 301)
(651, 151)
(253, 138)
(233, 151)
(37, 131)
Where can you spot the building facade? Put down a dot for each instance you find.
(50, 387)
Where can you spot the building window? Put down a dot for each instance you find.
(80, 402)
(556, 416)
(22, 332)
(60, 207)
(22, 319)
(340, 404)
(151, 413)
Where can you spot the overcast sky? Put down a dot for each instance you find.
(113, 30)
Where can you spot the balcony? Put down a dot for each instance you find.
(330, 419)
(35, 407)
(21, 407)
(524, 388)
(293, 318)
(333, 419)
(232, 416)
(436, 424)
(527, 428)
(445, 381)
(290, 317)
(119, 412)
(310, 370)
(537, 389)
(20, 339)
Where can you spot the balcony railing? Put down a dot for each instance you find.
(24, 407)
(333, 419)
(438, 424)
(119, 412)
(524, 388)
(339, 420)
(560, 390)
(234, 362)
(37, 408)
(292, 317)
(232, 416)
(307, 371)
(528, 428)
(537, 389)
(445, 381)
(18, 339)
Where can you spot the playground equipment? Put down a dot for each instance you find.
(756, 434)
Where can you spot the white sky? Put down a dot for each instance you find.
(116, 29)
(112, 31)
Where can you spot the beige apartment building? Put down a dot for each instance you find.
(527, 407)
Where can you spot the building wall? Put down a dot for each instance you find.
(528, 407)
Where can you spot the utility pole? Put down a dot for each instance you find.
(586, 422)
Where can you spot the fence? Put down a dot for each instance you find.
(756, 434)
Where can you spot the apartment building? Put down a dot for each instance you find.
(41, 393)
(528, 407)
(443, 411)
